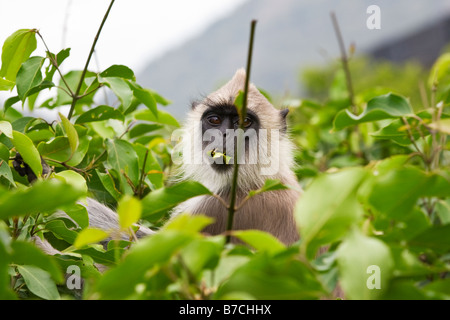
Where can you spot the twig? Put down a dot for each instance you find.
(231, 208)
(344, 59)
(55, 64)
(141, 180)
(410, 135)
(221, 200)
(83, 74)
(93, 90)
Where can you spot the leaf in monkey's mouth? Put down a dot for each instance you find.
(216, 155)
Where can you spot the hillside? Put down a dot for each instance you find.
(290, 34)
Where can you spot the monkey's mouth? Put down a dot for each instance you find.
(221, 161)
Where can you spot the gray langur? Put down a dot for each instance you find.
(267, 155)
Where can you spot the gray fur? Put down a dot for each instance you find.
(102, 217)
(270, 211)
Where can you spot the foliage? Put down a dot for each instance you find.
(377, 194)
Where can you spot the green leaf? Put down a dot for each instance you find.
(394, 192)
(5, 279)
(60, 230)
(129, 211)
(159, 99)
(60, 57)
(187, 223)
(73, 78)
(5, 171)
(163, 117)
(72, 178)
(10, 102)
(88, 236)
(100, 113)
(6, 85)
(108, 183)
(365, 266)
(16, 50)
(239, 102)
(121, 89)
(328, 207)
(28, 151)
(261, 241)
(201, 254)
(25, 253)
(143, 128)
(146, 97)
(57, 149)
(71, 133)
(266, 278)
(152, 166)
(42, 196)
(79, 214)
(4, 153)
(29, 76)
(160, 201)
(119, 71)
(120, 282)
(39, 282)
(6, 129)
(443, 211)
(123, 159)
(81, 151)
(442, 125)
(269, 185)
(440, 69)
(436, 238)
(397, 132)
(388, 106)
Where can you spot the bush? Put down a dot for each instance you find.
(377, 195)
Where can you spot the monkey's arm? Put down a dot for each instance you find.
(100, 216)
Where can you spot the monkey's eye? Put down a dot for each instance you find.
(214, 120)
(247, 122)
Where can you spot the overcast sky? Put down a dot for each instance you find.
(136, 30)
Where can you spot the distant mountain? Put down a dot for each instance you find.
(290, 35)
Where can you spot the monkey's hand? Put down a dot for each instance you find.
(24, 169)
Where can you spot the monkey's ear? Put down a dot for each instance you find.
(284, 114)
(194, 104)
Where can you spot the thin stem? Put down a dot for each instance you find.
(83, 74)
(423, 95)
(243, 202)
(62, 88)
(66, 165)
(141, 180)
(55, 64)
(410, 135)
(221, 200)
(93, 90)
(344, 59)
(231, 208)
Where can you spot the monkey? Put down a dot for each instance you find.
(265, 137)
(266, 143)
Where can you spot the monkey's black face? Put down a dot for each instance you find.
(219, 125)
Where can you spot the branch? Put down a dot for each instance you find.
(140, 187)
(344, 62)
(76, 96)
(55, 64)
(231, 208)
